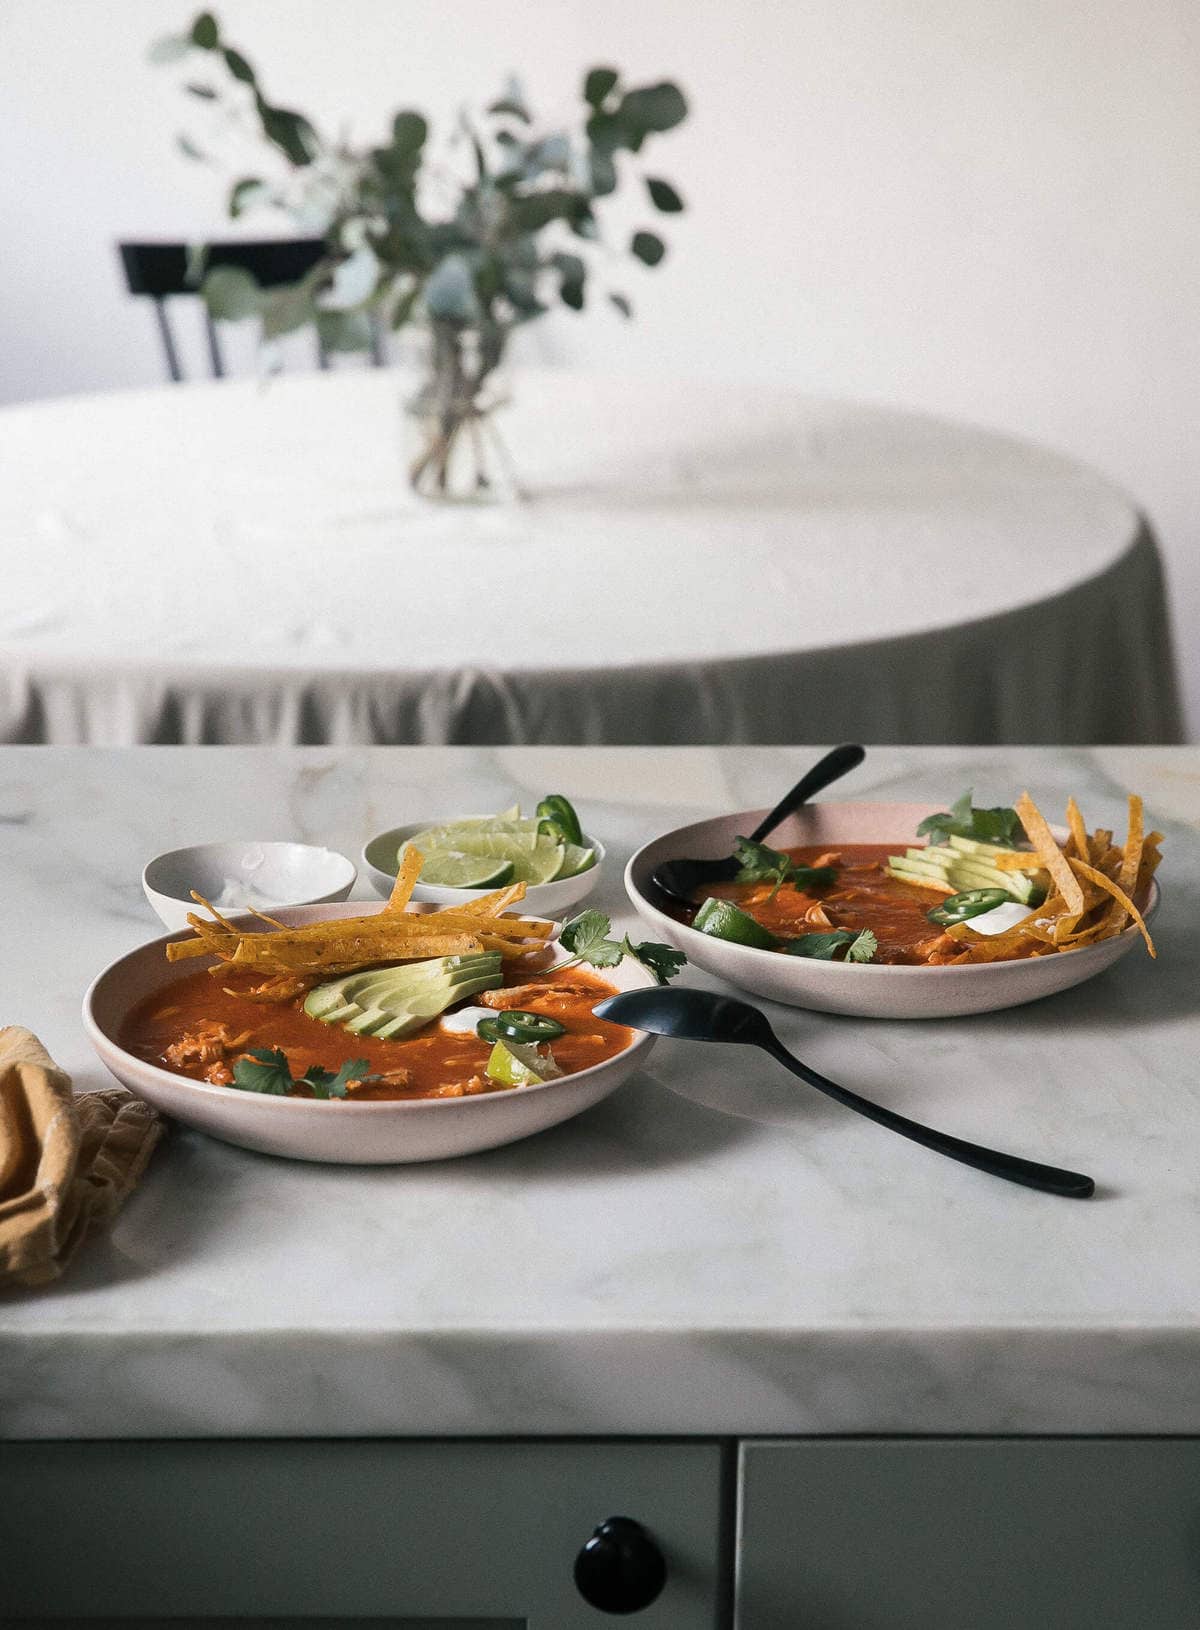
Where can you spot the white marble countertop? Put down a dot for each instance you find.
(711, 1250)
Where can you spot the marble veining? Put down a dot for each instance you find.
(709, 1251)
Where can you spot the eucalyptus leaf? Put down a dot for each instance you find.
(204, 31)
(246, 194)
(238, 66)
(551, 153)
(653, 107)
(604, 173)
(189, 149)
(512, 102)
(288, 308)
(204, 92)
(290, 132)
(409, 131)
(405, 306)
(607, 133)
(663, 195)
(231, 294)
(648, 247)
(537, 209)
(170, 48)
(450, 291)
(572, 272)
(514, 110)
(598, 84)
(622, 303)
(344, 330)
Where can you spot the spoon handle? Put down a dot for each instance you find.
(1050, 1179)
(831, 768)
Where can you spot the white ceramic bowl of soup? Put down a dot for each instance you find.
(339, 1130)
(381, 861)
(866, 990)
(236, 875)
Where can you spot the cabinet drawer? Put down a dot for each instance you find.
(393, 1533)
(1077, 1534)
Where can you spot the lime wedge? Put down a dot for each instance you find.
(450, 869)
(514, 1064)
(468, 835)
(576, 859)
(535, 862)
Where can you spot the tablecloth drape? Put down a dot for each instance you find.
(243, 564)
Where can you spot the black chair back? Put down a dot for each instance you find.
(160, 271)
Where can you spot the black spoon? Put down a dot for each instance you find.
(702, 1015)
(679, 879)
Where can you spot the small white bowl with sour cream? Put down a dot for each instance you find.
(240, 876)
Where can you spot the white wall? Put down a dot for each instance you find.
(987, 208)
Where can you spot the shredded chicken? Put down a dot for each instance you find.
(392, 1078)
(817, 917)
(831, 857)
(938, 950)
(208, 1043)
(523, 995)
(462, 1089)
(280, 987)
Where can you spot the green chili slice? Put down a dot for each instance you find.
(959, 908)
(514, 1024)
(557, 812)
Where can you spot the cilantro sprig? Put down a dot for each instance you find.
(588, 939)
(759, 864)
(998, 825)
(860, 945)
(266, 1069)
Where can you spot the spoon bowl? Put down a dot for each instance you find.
(702, 1015)
(680, 879)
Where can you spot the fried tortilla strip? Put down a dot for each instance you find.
(1127, 905)
(1016, 860)
(1131, 862)
(1079, 837)
(491, 905)
(1100, 843)
(411, 862)
(254, 952)
(1150, 860)
(1051, 855)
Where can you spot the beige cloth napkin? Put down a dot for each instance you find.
(66, 1162)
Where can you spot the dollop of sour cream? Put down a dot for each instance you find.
(1000, 918)
(463, 1022)
(235, 893)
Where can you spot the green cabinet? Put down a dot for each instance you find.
(970, 1534)
(396, 1534)
(399, 1534)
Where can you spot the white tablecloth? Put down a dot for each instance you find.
(243, 562)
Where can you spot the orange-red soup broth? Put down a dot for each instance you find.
(861, 896)
(197, 1028)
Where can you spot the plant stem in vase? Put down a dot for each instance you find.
(459, 452)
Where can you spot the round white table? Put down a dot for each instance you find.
(243, 562)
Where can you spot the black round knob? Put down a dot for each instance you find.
(620, 1569)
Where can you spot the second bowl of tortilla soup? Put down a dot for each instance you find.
(843, 913)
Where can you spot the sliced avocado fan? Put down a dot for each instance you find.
(965, 863)
(394, 1002)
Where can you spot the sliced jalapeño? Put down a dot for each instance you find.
(557, 812)
(960, 908)
(514, 1024)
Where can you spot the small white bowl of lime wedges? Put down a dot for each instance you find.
(471, 855)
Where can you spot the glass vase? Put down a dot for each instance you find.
(456, 453)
